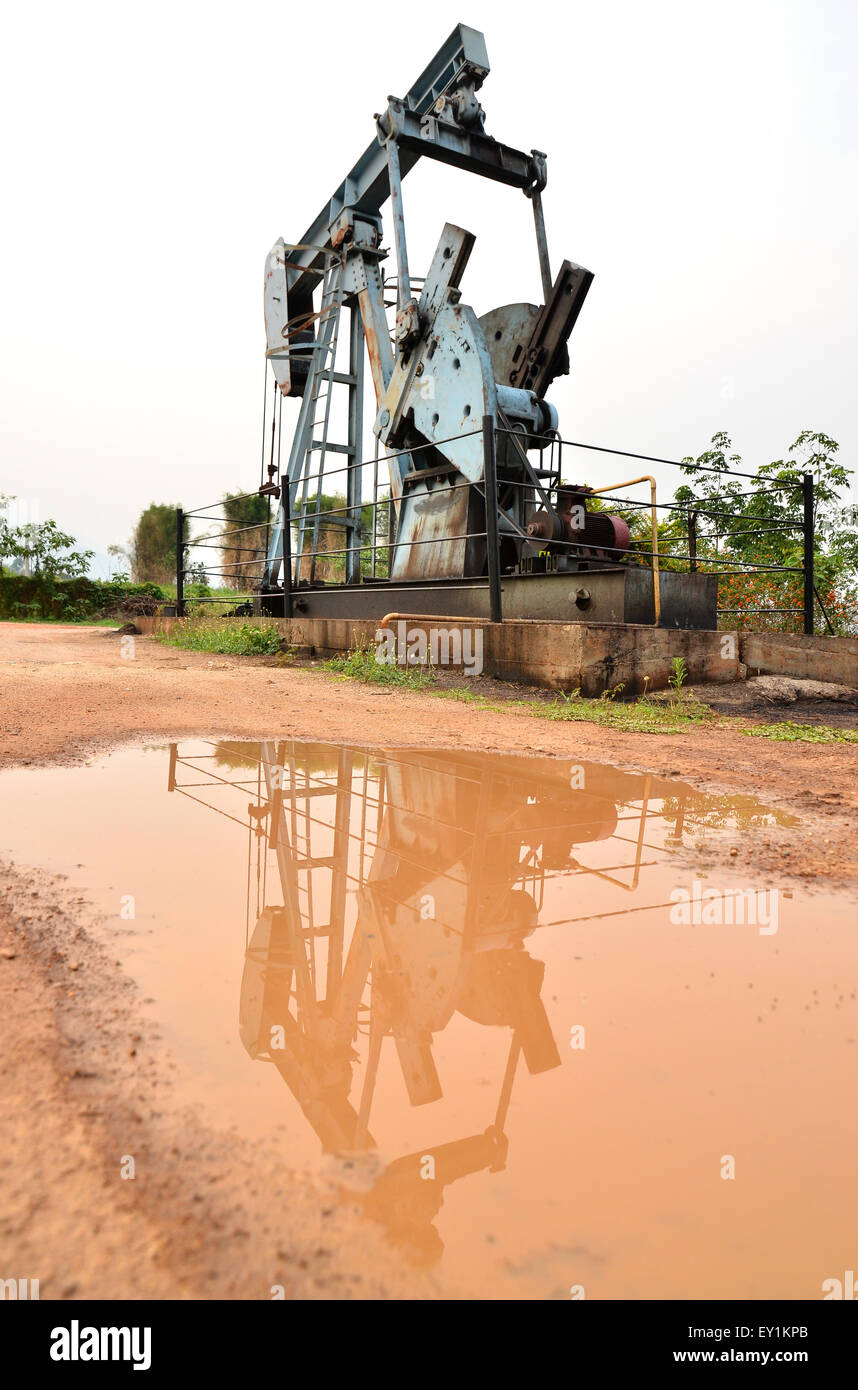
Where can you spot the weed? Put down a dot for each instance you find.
(642, 716)
(463, 696)
(226, 636)
(635, 716)
(362, 664)
(678, 675)
(790, 732)
(612, 692)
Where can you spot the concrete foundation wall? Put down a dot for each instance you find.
(592, 657)
(806, 658)
(596, 656)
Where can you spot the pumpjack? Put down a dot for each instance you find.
(472, 444)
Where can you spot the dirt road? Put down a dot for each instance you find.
(67, 693)
(81, 1073)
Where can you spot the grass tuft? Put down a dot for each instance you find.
(226, 636)
(680, 711)
(790, 732)
(362, 664)
(641, 716)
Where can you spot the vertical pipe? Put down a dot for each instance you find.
(656, 577)
(354, 476)
(807, 496)
(506, 1085)
(477, 861)
(403, 286)
(641, 830)
(375, 507)
(339, 873)
(391, 532)
(692, 541)
(286, 545)
(492, 542)
(180, 563)
(542, 245)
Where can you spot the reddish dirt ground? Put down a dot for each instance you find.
(77, 1077)
(66, 693)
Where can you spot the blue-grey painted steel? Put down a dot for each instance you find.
(439, 380)
(366, 187)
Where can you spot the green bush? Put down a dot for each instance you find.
(41, 597)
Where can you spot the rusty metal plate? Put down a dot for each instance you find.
(504, 329)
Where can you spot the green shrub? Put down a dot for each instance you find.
(227, 636)
(42, 597)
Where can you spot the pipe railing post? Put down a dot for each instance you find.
(492, 540)
(180, 563)
(807, 497)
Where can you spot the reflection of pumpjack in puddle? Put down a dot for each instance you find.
(447, 857)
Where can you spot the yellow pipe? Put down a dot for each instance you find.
(630, 482)
(427, 618)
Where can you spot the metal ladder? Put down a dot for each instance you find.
(323, 378)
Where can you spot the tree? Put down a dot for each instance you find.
(244, 539)
(7, 544)
(153, 544)
(757, 521)
(760, 522)
(121, 573)
(45, 550)
(334, 537)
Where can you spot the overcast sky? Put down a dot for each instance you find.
(702, 163)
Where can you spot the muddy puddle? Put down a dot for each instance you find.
(490, 998)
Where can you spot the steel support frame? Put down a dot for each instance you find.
(406, 131)
(355, 440)
(366, 187)
(490, 475)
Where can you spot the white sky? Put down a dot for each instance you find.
(702, 162)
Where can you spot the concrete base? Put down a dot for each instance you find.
(592, 657)
(806, 658)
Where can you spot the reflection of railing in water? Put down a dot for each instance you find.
(410, 882)
(301, 828)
